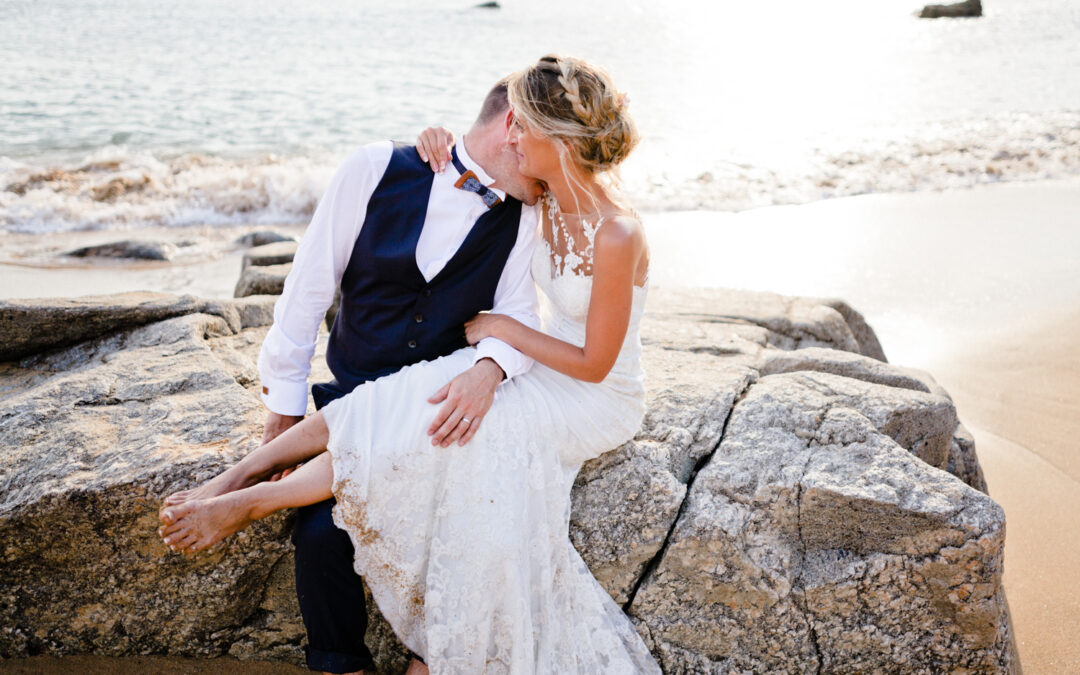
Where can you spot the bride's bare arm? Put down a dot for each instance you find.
(618, 247)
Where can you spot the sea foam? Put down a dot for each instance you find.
(119, 188)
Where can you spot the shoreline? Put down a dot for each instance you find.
(975, 286)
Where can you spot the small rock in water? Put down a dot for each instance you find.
(488, 5)
(966, 8)
(261, 238)
(134, 250)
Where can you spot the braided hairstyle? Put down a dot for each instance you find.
(575, 101)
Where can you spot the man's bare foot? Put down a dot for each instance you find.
(416, 668)
(197, 524)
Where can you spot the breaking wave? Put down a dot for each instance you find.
(117, 188)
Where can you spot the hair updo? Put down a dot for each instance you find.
(575, 101)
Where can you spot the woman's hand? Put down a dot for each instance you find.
(434, 145)
(484, 325)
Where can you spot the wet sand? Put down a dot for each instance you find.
(1019, 394)
(979, 287)
(33, 266)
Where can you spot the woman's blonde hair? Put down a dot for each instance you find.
(575, 101)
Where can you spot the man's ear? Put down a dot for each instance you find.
(508, 119)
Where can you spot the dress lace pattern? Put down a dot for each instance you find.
(466, 549)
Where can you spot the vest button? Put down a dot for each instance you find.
(419, 318)
(412, 344)
(427, 292)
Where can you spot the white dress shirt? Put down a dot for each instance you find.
(327, 245)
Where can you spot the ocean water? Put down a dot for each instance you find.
(131, 113)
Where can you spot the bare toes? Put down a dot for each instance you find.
(171, 527)
(187, 545)
(178, 497)
(175, 514)
(173, 540)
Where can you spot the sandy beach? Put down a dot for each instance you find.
(976, 286)
(1019, 394)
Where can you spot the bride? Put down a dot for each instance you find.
(466, 549)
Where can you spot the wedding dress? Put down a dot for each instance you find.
(466, 549)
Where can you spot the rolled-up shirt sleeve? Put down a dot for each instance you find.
(515, 296)
(321, 258)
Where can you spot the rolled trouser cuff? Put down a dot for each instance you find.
(337, 662)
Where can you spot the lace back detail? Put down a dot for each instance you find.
(569, 254)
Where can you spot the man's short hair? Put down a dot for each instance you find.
(495, 103)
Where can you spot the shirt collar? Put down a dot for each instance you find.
(471, 164)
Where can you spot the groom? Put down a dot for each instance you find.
(416, 254)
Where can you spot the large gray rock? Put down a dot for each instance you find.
(815, 539)
(35, 326)
(793, 503)
(94, 436)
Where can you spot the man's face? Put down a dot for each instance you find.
(505, 170)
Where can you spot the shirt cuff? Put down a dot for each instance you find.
(509, 359)
(284, 397)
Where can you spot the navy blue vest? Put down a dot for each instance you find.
(390, 315)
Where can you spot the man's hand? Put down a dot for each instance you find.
(467, 399)
(275, 426)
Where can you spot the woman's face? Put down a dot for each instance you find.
(538, 156)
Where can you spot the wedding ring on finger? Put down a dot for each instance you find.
(466, 420)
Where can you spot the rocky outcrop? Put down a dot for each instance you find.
(957, 9)
(33, 326)
(262, 280)
(93, 436)
(793, 502)
(272, 263)
(264, 269)
(270, 254)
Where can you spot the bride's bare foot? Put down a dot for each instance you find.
(227, 481)
(197, 524)
(204, 491)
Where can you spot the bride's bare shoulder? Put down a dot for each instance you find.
(621, 229)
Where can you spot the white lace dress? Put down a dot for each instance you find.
(466, 549)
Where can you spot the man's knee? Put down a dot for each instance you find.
(314, 532)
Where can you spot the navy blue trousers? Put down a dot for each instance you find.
(330, 591)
